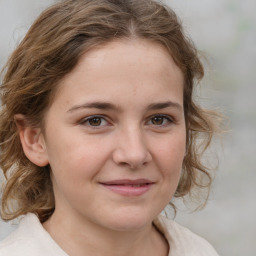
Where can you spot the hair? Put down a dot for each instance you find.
(51, 49)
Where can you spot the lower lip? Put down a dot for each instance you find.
(126, 190)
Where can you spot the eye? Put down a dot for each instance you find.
(160, 120)
(94, 121)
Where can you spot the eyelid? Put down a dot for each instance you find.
(86, 119)
(169, 118)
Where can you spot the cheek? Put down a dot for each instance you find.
(171, 151)
(75, 162)
(170, 156)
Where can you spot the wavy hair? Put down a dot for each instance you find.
(50, 50)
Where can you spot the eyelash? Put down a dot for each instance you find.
(166, 119)
(90, 118)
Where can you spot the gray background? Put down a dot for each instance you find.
(225, 32)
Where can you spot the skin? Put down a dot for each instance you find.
(138, 133)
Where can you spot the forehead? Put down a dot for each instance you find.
(133, 67)
(130, 52)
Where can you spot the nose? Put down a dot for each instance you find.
(131, 149)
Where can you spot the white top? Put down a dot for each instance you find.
(31, 239)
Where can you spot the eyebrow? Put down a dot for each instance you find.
(98, 105)
(162, 105)
(110, 106)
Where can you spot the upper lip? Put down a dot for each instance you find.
(127, 182)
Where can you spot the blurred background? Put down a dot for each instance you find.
(225, 32)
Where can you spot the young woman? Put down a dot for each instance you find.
(99, 132)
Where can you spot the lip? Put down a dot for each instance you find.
(127, 187)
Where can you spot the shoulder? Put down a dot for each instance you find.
(29, 239)
(182, 241)
(15, 242)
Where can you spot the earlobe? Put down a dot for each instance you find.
(32, 141)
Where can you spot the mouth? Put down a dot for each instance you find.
(129, 187)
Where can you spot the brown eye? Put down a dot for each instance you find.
(95, 121)
(157, 120)
(160, 120)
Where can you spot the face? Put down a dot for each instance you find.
(115, 135)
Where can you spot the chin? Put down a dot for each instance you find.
(129, 221)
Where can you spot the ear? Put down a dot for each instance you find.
(32, 141)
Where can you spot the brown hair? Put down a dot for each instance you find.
(50, 50)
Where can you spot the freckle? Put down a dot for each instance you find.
(134, 91)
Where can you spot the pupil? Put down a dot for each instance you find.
(158, 120)
(96, 121)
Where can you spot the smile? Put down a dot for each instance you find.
(129, 187)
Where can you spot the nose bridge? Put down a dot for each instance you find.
(132, 147)
(135, 141)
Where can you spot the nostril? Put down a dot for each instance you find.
(132, 157)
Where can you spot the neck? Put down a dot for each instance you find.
(90, 239)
